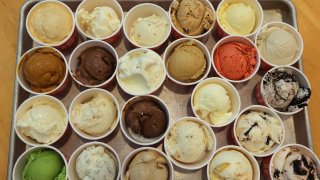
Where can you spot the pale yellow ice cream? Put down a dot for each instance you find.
(150, 30)
(101, 22)
(147, 165)
(212, 103)
(230, 164)
(94, 116)
(45, 121)
(189, 141)
(277, 45)
(237, 18)
(50, 23)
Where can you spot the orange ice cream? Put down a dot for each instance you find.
(235, 60)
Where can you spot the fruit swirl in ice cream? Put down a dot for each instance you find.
(235, 60)
(44, 70)
(283, 92)
(291, 163)
(187, 62)
(258, 131)
(189, 141)
(50, 22)
(191, 17)
(147, 165)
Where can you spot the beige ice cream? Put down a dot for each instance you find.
(95, 162)
(230, 164)
(101, 22)
(45, 121)
(150, 30)
(212, 103)
(189, 141)
(147, 165)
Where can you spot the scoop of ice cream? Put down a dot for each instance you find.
(282, 91)
(189, 141)
(187, 62)
(147, 165)
(44, 70)
(94, 116)
(212, 103)
(50, 22)
(291, 163)
(191, 17)
(258, 131)
(44, 121)
(230, 164)
(101, 22)
(96, 65)
(237, 18)
(150, 30)
(95, 162)
(277, 45)
(44, 164)
(235, 60)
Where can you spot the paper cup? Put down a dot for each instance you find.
(62, 87)
(301, 78)
(72, 173)
(139, 139)
(169, 50)
(265, 64)
(267, 163)
(232, 93)
(89, 5)
(258, 13)
(130, 157)
(176, 34)
(253, 161)
(26, 105)
(84, 97)
(74, 61)
(236, 39)
(205, 160)
(270, 112)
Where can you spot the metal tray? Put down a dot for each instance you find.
(177, 98)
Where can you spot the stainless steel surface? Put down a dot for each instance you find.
(177, 98)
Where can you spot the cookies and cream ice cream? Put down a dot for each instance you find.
(212, 103)
(191, 17)
(188, 141)
(258, 131)
(147, 165)
(100, 22)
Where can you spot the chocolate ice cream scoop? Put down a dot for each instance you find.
(96, 66)
(146, 118)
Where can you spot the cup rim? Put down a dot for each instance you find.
(176, 43)
(218, 81)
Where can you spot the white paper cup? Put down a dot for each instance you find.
(270, 112)
(232, 93)
(301, 78)
(265, 64)
(26, 85)
(72, 173)
(169, 50)
(253, 161)
(142, 11)
(26, 105)
(139, 139)
(24, 157)
(74, 61)
(258, 15)
(89, 5)
(205, 160)
(241, 40)
(85, 96)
